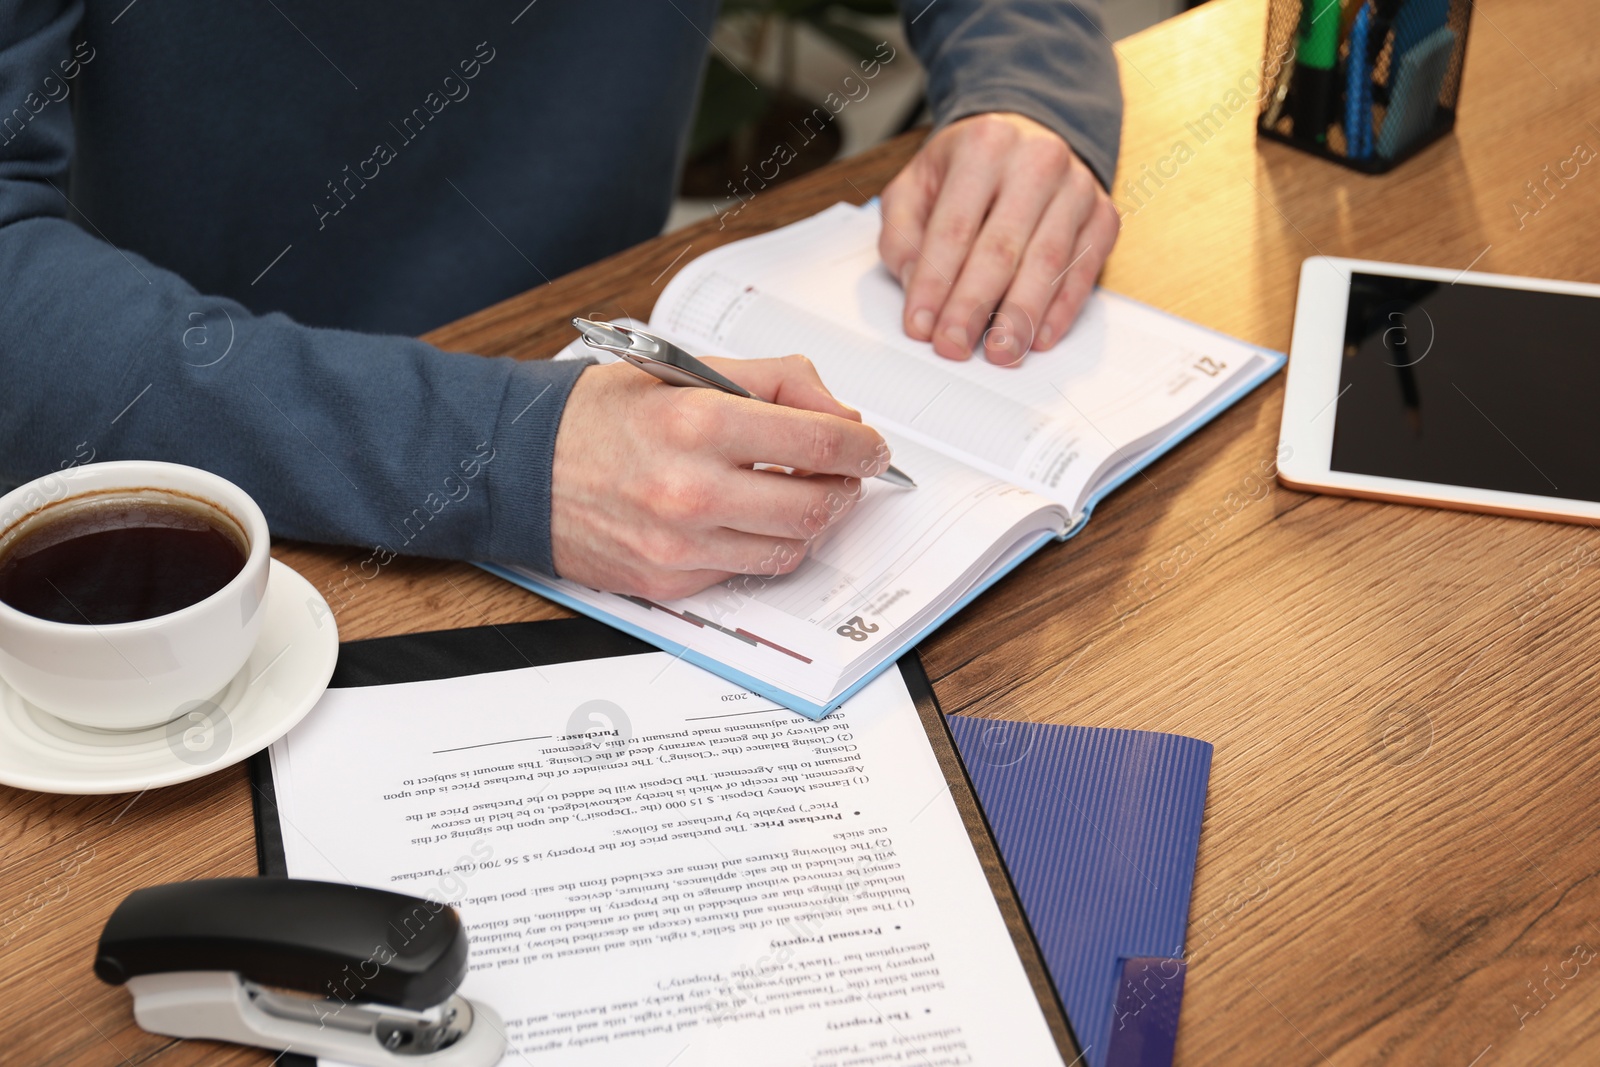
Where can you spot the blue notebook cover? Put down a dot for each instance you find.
(1099, 830)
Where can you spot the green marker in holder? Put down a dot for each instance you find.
(1316, 55)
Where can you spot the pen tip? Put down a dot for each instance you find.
(897, 477)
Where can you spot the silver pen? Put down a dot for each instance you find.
(673, 365)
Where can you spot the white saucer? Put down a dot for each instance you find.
(282, 680)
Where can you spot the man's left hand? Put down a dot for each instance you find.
(997, 230)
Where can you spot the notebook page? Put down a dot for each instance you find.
(897, 556)
(1123, 375)
(656, 867)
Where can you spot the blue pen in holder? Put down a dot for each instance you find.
(1365, 83)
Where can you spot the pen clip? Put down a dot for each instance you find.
(655, 356)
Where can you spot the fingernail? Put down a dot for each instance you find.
(958, 336)
(922, 322)
(1045, 339)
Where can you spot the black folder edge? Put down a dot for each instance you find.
(485, 649)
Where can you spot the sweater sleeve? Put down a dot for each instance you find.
(382, 442)
(1047, 59)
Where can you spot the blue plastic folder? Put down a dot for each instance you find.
(1417, 21)
(1099, 830)
(1414, 100)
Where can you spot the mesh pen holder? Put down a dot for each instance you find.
(1365, 83)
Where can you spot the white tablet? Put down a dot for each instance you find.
(1444, 387)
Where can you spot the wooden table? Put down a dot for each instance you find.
(1400, 851)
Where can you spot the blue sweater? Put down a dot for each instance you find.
(219, 221)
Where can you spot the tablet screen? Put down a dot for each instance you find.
(1470, 385)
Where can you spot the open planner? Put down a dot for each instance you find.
(1005, 459)
(658, 867)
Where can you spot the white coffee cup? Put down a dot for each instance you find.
(133, 675)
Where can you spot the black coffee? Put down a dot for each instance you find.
(118, 557)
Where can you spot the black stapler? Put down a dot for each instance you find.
(357, 975)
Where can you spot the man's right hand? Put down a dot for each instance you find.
(654, 493)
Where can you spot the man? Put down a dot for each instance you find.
(217, 222)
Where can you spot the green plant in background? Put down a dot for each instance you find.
(731, 108)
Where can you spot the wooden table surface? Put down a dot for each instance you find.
(1399, 855)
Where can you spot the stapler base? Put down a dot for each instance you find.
(221, 1006)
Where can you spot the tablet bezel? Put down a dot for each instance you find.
(1305, 435)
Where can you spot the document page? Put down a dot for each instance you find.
(1056, 423)
(656, 867)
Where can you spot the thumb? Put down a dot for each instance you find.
(791, 381)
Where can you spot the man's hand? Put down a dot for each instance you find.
(995, 217)
(653, 492)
